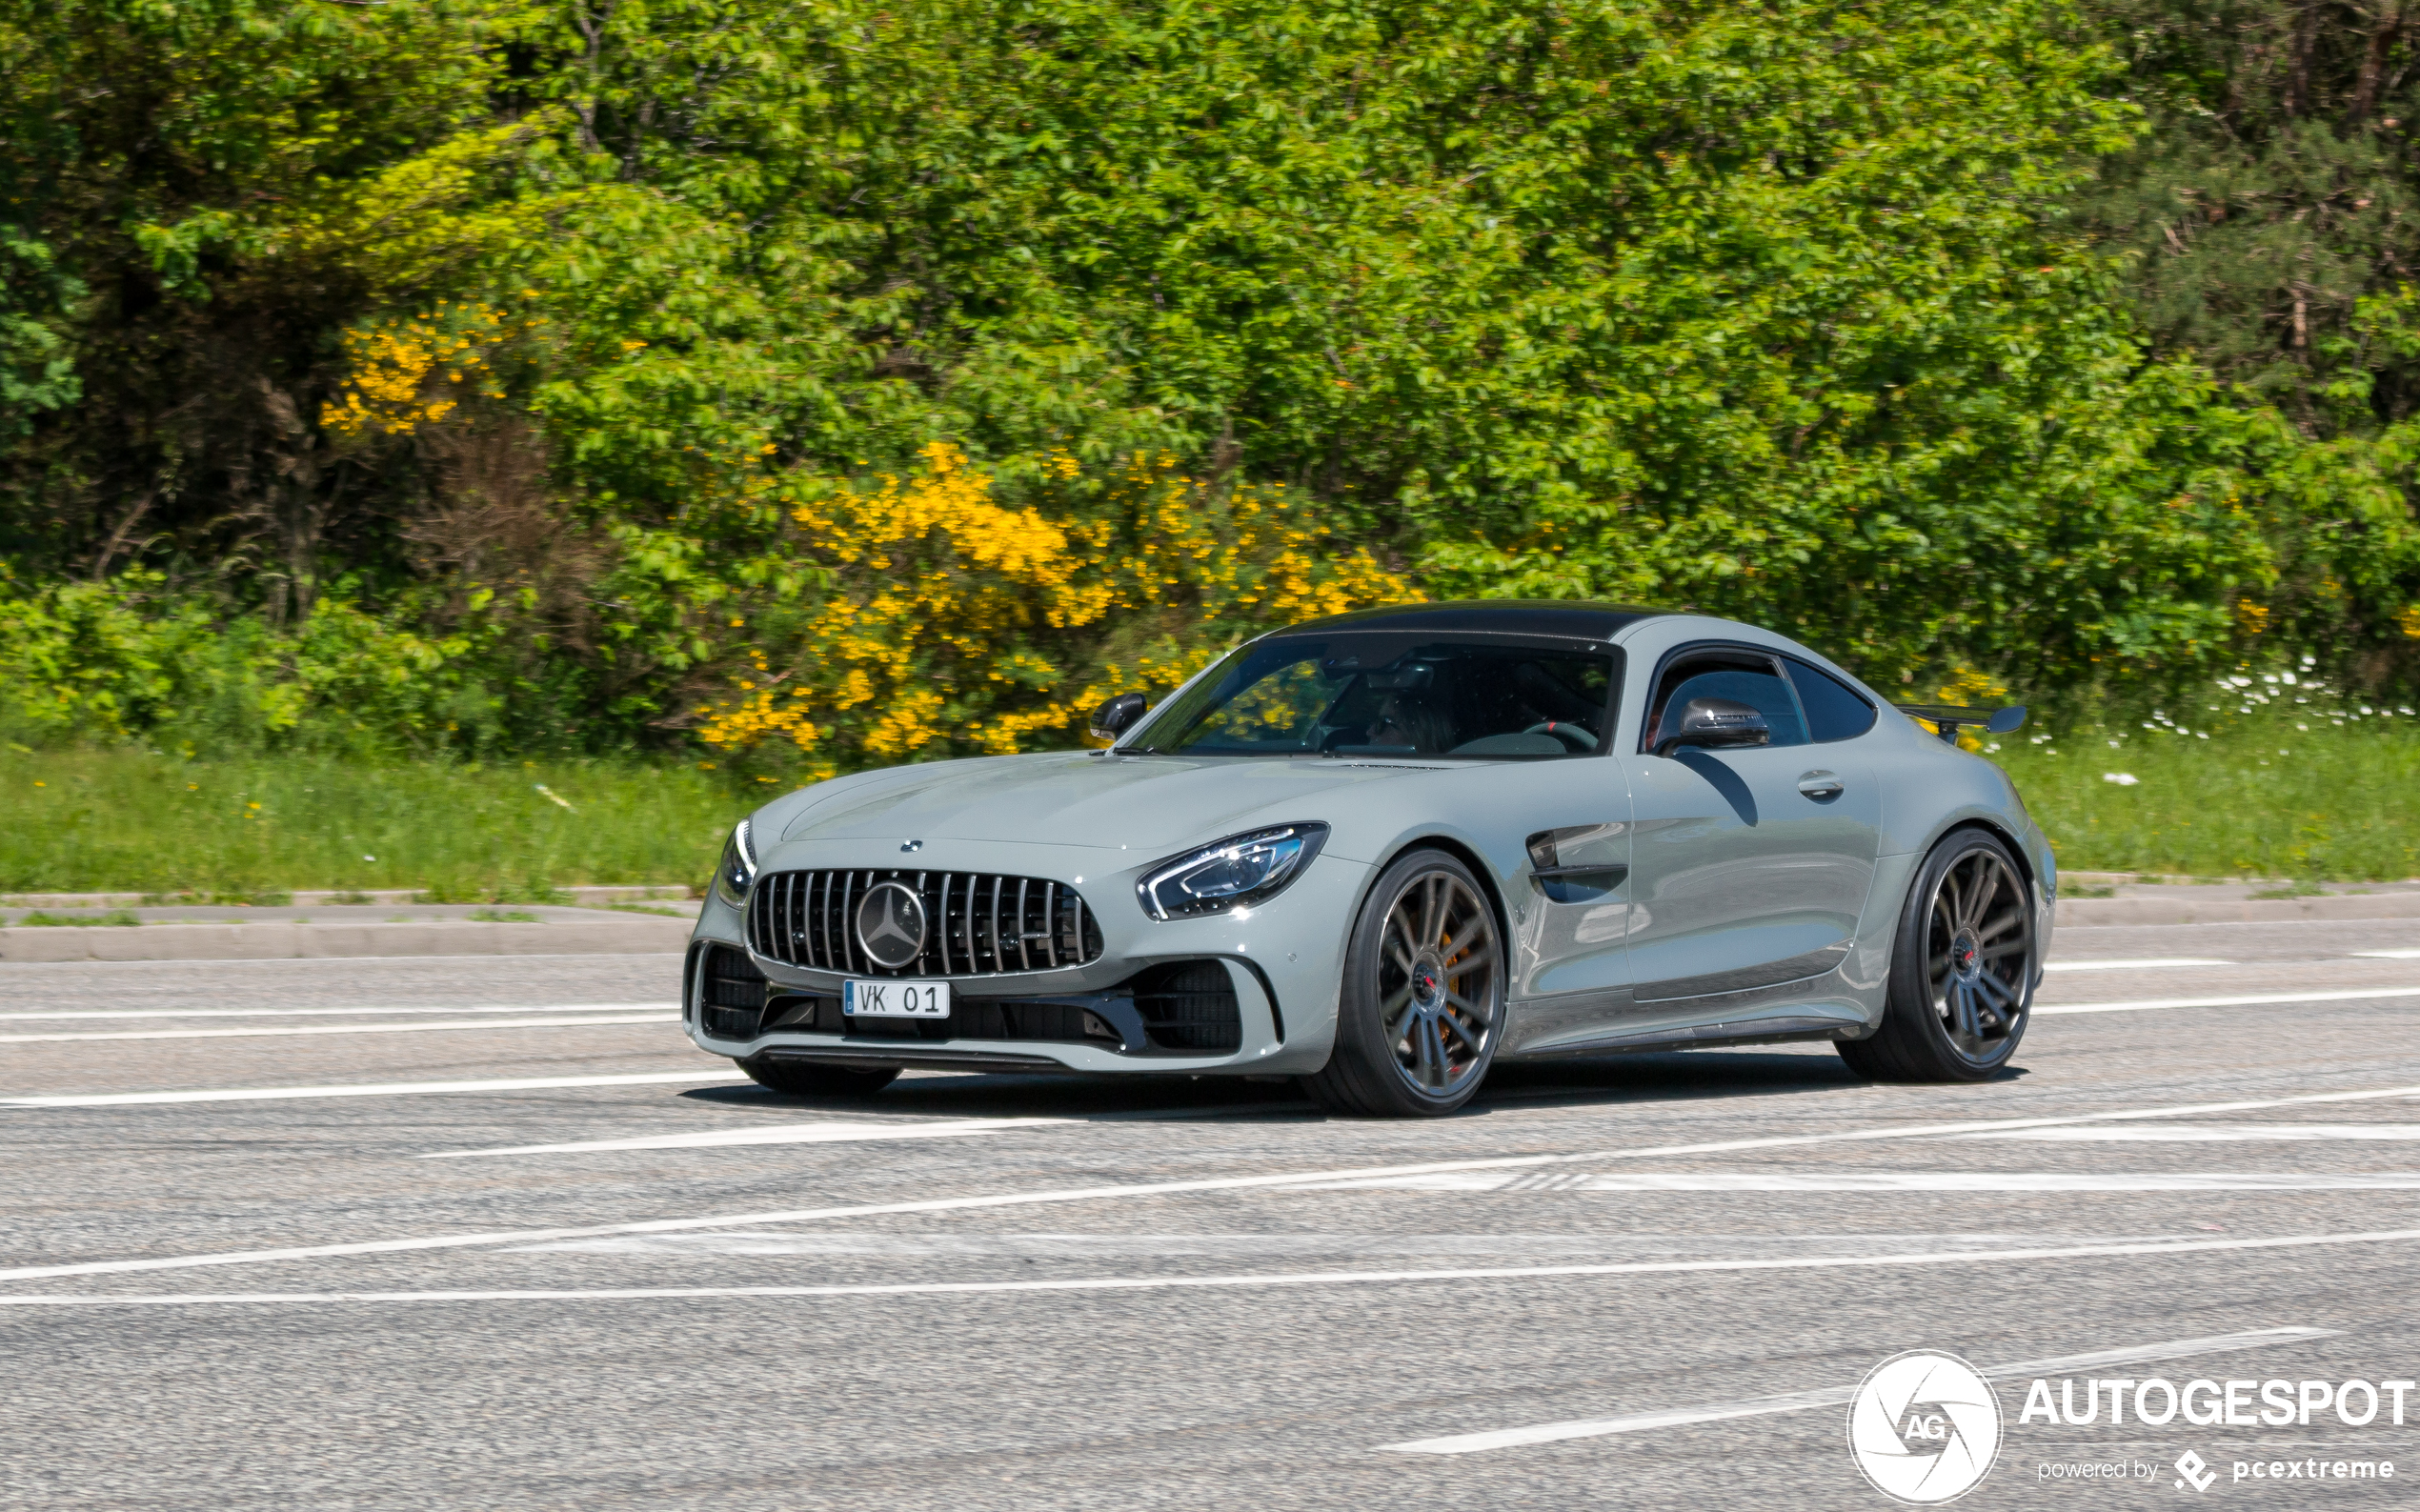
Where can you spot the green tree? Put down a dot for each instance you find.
(2268, 227)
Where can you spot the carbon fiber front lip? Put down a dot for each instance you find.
(948, 1059)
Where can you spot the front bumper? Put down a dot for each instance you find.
(1283, 959)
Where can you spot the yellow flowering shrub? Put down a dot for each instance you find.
(408, 374)
(1202, 577)
(956, 624)
(1968, 689)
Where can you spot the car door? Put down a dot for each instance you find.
(1749, 867)
(1571, 903)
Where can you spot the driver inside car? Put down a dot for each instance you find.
(1409, 719)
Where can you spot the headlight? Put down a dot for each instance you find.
(738, 867)
(1235, 871)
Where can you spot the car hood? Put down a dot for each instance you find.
(1078, 798)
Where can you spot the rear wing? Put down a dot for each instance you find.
(1947, 717)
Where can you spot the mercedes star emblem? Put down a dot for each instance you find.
(891, 924)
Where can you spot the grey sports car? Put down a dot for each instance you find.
(1387, 851)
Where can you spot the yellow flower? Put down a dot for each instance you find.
(404, 374)
(959, 622)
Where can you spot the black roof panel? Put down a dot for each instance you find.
(1570, 618)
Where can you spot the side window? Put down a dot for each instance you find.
(1834, 710)
(1743, 676)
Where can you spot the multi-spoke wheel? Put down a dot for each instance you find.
(1961, 969)
(1424, 993)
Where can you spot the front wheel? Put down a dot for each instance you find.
(1960, 990)
(812, 1079)
(1423, 995)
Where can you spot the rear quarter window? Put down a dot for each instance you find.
(1834, 710)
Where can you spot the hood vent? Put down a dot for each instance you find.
(975, 923)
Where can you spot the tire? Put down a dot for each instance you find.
(1423, 1001)
(811, 1079)
(1961, 969)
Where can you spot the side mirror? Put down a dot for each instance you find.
(1117, 716)
(1715, 724)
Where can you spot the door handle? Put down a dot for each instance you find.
(1821, 786)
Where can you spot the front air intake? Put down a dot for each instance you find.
(975, 923)
(1190, 1006)
(730, 998)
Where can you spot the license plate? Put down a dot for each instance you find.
(894, 1000)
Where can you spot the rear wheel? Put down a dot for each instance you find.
(1423, 995)
(1962, 970)
(811, 1079)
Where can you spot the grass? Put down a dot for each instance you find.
(253, 830)
(505, 915)
(2251, 783)
(2267, 780)
(37, 919)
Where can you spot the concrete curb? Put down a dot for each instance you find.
(2085, 912)
(275, 939)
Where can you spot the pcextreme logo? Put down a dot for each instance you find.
(1924, 1427)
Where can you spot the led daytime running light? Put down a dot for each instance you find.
(738, 868)
(1235, 871)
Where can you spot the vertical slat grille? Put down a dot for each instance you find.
(999, 946)
(942, 924)
(819, 894)
(977, 923)
(848, 952)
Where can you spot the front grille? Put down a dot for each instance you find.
(977, 923)
(1190, 1005)
(730, 1003)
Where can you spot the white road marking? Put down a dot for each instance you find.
(2218, 1133)
(1254, 1246)
(1838, 1396)
(1877, 1181)
(562, 1022)
(2243, 1000)
(772, 1134)
(330, 1013)
(2134, 965)
(2388, 954)
(1282, 1279)
(374, 1089)
(1092, 1194)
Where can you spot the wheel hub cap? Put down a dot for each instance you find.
(1428, 983)
(1965, 955)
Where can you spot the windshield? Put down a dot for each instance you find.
(1379, 695)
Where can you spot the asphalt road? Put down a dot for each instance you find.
(1636, 1282)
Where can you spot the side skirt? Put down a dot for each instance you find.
(1754, 1032)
